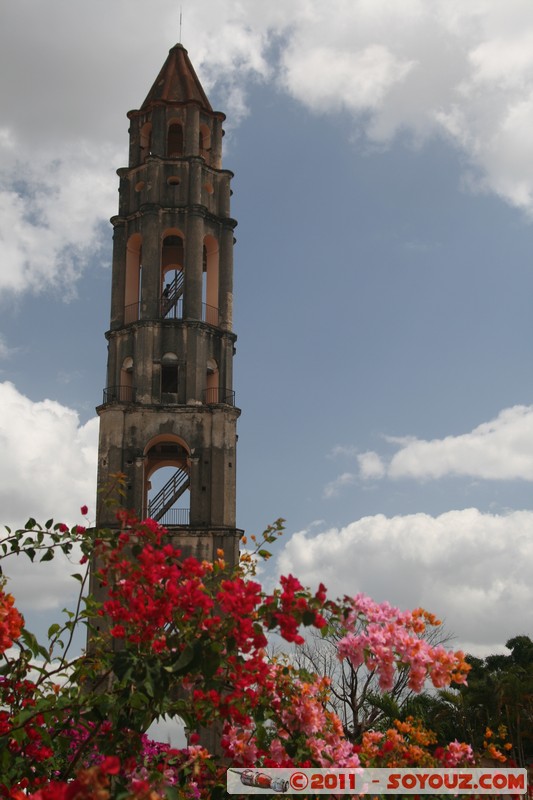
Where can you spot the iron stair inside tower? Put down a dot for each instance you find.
(171, 295)
(177, 484)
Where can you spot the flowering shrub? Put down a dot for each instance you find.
(185, 638)
(410, 744)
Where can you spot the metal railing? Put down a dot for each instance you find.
(119, 394)
(174, 311)
(217, 395)
(167, 496)
(175, 516)
(172, 308)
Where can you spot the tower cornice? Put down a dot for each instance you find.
(155, 209)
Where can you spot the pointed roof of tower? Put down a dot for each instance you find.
(177, 82)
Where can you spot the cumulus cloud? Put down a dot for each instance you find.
(332, 80)
(49, 464)
(471, 569)
(459, 70)
(371, 465)
(48, 470)
(49, 218)
(334, 488)
(501, 449)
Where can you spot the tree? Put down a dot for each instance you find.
(355, 694)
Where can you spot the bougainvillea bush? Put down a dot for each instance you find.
(184, 638)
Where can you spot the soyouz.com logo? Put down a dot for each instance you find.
(376, 781)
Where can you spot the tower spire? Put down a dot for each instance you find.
(177, 82)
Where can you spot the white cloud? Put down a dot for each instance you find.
(462, 70)
(371, 465)
(501, 449)
(348, 451)
(49, 217)
(48, 467)
(5, 350)
(331, 80)
(48, 470)
(334, 488)
(473, 570)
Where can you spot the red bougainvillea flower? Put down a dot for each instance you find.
(110, 765)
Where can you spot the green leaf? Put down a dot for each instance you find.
(184, 660)
(139, 700)
(123, 664)
(53, 629)
(33, 645)
(77, 577)
(210, 663)
(48, 555)
(308, 617)
(266, 554)
(31, 523)
(30, 552)
(49, 523)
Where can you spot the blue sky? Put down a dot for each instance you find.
(383, 284)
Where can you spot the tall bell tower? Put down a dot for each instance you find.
(168, 417)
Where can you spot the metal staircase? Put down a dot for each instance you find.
(171, 294)
(167, 496)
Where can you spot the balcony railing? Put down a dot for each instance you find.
(175, 516)
(119, 394)
(172, 309)
(217, 395)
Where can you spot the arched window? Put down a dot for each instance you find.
(210, 281)
(211, 382)
(146, 141)
(167, 480)
(126, 381)
(175, 140)
(204, 141)
(169, 378)
(132, 290)
(172, 277)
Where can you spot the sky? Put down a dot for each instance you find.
(383, 186)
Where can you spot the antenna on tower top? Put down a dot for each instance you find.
(180, 24)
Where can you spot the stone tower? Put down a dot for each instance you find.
(168, 417)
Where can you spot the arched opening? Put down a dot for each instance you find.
(167, 480)
(211, 382)
(126, 381)
(175, 140)
(169, 378)
(210, 280)
(146, 141)
(204, 141)
(172, 276)
(132, 290)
